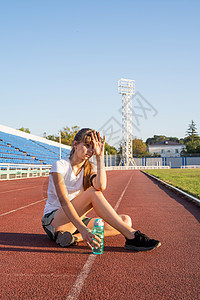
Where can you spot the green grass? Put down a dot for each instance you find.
(188, 180)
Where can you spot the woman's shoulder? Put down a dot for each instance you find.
(64, 161)
(60, 165)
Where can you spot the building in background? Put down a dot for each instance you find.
(166, 149)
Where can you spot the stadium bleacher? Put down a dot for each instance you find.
(15, 149)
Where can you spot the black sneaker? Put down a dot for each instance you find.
(141, 242)
(65, 239)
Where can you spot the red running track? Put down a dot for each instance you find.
(33, 267)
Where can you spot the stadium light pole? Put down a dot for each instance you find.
(126, 88)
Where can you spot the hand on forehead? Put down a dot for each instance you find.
(90, 136)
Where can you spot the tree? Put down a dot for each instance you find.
(155, 139)
(193, 147)
(51, 138)
(24, 129)
(191, 133)
(161, 138)
(192, 140)
(139, 148)
(110, 149)
(67, 135)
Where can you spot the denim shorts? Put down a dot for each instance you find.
(49, 229)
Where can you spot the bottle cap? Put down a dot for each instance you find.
(98, 222)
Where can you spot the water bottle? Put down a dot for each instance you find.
(98, 229)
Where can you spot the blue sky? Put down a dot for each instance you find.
(61, 61)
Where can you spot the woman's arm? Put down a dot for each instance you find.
(67, 206)
(70, 211)
(100, 181)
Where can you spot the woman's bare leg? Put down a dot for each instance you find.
(108, 230)
(83, 203)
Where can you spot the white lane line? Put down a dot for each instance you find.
(22, 207)
(122, 195)
(77, 287)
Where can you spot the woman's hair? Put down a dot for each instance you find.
(84, 136)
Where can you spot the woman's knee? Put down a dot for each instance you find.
(126, 219)
(92, 191)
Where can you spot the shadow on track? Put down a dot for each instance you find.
(117, 249)
(28, 242)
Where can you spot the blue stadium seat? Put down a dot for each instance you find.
(16, 149)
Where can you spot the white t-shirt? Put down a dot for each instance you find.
(74, 184)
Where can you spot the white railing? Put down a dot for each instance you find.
(135, 167)
(20, 171)
(17, 171)
(190, 167)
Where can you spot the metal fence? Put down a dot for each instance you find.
(17, 171)
(159, 162)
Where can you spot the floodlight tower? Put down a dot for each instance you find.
(126, 87)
